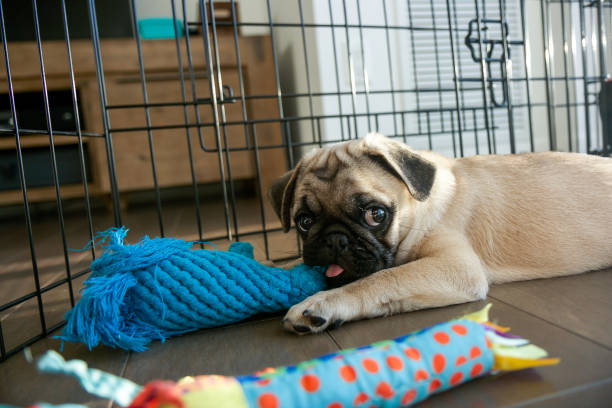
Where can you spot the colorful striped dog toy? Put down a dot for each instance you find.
(389, 373)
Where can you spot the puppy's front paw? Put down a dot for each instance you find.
(323, 310)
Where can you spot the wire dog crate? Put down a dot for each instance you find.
(195, 126)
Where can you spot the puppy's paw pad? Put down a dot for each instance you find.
(317, 321)
(317, 313)
(301, 329)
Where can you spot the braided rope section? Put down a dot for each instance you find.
(159, 288)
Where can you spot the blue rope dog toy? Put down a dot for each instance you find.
(160, 288)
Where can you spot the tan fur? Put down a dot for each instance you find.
(488, 219)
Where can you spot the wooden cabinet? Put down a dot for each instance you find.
(171, 146)
(171, 133)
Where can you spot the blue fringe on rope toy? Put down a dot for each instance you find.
(159, 288)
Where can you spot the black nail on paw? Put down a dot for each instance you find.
(335, 324)
(317, 321)
(301, 329)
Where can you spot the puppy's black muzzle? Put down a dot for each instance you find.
(337, 243)
(358, 256)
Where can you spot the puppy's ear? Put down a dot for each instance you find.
(281, 195)
(415, 171)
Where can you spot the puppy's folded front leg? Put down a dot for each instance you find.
(437, 280)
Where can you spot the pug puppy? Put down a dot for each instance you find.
(402, 230)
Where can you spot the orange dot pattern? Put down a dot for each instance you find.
(348, 373)
(395, 363)
(412, 353)
(310, 383)
(459, 329)
(370, 365)
(267, 400)
(456, 378)
(391, 373)
(438, 363)
(441, 337)
(384, 390)
(460, 360)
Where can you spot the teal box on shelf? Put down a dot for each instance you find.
(159, 28)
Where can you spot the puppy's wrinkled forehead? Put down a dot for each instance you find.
(332, 175)
(328, 162)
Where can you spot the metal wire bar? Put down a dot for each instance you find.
(110, 154)
(309, 143)
(550, 78)
(262, 213)
(286, 132)
(217, 63)
(323, 25)
(591, 79)
(605, 147)
(403, 116)
(213, 96)
(603, 43)
(42, 290)
(3, 355)
(565, 74)
(366, 82)
(585, 87)
(485, 40)
(254, 133)
(452, 133)
(351, 68)
(307, 68)
(437, 58)
(549, 92)
(19, 348)
(406, 135)
(287, 119)
(455, 76)
(483, 79)
(77, 122)
(390, 62)
(476, 142)
(414, 64)
(527, 68)
(145, 97)
(58, 196)
(459, 65)
(192, 173)
(240, 73)
(337, 66)
(11, 131)
(506, 69)
(22, 180)
(429, 139)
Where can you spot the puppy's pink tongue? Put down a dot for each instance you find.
(333, 270)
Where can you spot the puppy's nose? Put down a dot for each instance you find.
(337, 241)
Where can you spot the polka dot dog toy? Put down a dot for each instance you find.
(390, 373)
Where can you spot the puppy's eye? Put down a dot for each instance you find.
(373, 216)
(304, 222)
